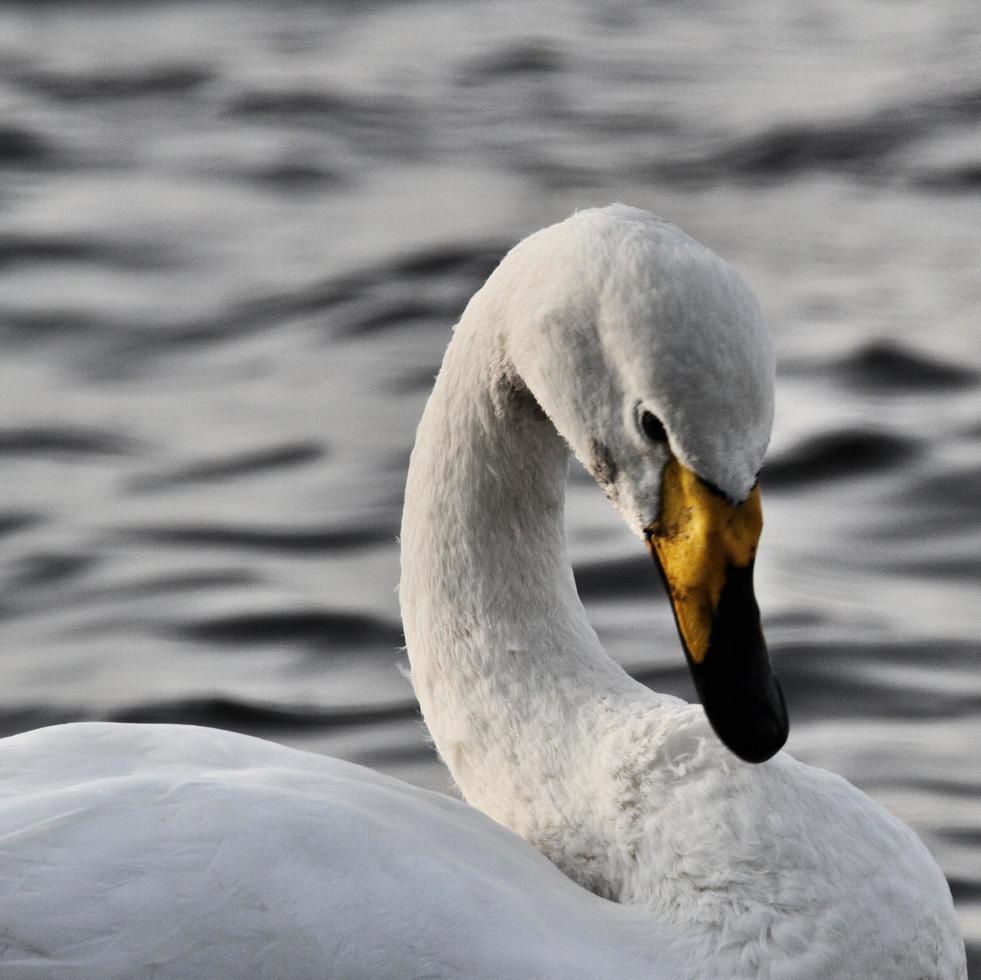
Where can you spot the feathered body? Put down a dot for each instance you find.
(170, 852)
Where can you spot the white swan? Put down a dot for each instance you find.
(132, 851)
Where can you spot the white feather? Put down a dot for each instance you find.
(130, 852)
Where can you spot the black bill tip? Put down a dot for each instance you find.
(735, 682)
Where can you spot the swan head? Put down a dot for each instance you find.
(650, 356)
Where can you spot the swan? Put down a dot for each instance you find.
(611, 831)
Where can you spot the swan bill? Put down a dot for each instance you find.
(705, 548)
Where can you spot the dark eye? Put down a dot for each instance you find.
(652, 427)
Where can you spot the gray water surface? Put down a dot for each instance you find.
(234, 238)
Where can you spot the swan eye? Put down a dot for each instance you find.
(653, 428)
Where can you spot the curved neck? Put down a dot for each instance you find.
(507, 670)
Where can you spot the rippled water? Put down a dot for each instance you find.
(233, 240)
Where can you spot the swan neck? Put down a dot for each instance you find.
(499, 645)
(484, 509)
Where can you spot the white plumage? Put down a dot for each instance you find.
(170, 852)
(130, 852)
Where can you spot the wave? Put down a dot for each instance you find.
(962, 888)
(946, 495)
(398, 314)
(16, 249)
(58, 441)
(884, 366)
(30, 327)
(22, 147)
(475, 260)
(848, 680)
(389, 292)
(432, 284)
(619, 577)
(50, 568)
(530, 57)
(955, 178)
(227, 713)
(192, 580)
(386, 127)
(249, 717)
(28, 717)
(311, 627)
(245, 464)
(364, 300)
(793, 147)
(286, 539)
(833, 455)
(313, 105)
(12, 521)
(92, 86)
(297, 175)
(865, 144)
(942, 567)
(853, 680)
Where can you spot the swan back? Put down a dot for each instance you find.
(172, 852)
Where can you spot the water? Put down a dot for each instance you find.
(233, 240)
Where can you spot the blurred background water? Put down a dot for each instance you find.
(234, 238)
